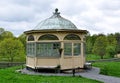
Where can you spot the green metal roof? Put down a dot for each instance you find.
(55, 22)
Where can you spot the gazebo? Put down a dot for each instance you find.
(55, 43)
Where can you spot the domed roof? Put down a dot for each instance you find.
(55, 22)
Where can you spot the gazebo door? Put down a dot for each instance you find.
(71, 54)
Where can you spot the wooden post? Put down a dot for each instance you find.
(73, 71)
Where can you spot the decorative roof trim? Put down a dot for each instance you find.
(55, 30)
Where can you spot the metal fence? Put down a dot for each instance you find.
(104, 60)
(10, 64)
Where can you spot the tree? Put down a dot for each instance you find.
(110, 50)
(117, 36)
(7, 34)
(22, 38)
(11, 48)
(1, 30)
(99, 47)
(89, 44)
(111, 45)
(90, 40)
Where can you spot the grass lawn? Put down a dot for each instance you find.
(92, 57)
(109, 68)
(96, 57)
(9, 75)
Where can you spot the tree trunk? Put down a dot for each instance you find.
(101, 56)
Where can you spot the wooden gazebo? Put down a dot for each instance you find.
(55, 42)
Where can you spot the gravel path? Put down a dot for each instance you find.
(92, 74)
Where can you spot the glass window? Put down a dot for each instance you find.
(48, 49)
(48, 37)
(68, 49)
(77, 49)
(31, 49)
(31, 38)
(72, 37)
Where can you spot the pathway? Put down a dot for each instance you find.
(94, 74)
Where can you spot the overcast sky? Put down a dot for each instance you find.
(96, 16)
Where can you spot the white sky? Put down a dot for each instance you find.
(96, 16)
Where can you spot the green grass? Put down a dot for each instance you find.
(109, 68)
(96, 57)
(10, 76)
(92, 57)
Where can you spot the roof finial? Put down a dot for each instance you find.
(56, 11)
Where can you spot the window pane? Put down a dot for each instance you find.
(31, 38)
(72, 37)
(68, 49)
(48, 49)
(48, 37)
(30, 49)
(77, 49)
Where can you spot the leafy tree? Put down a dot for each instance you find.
(111, 45)
(11, 48)
(89, 44)
(94, 37)
(99, 47)
(101, 34)
(90, 40)
(7, 34)
(22, 38)
(117, 36)
(110, 50)
(1, 30)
